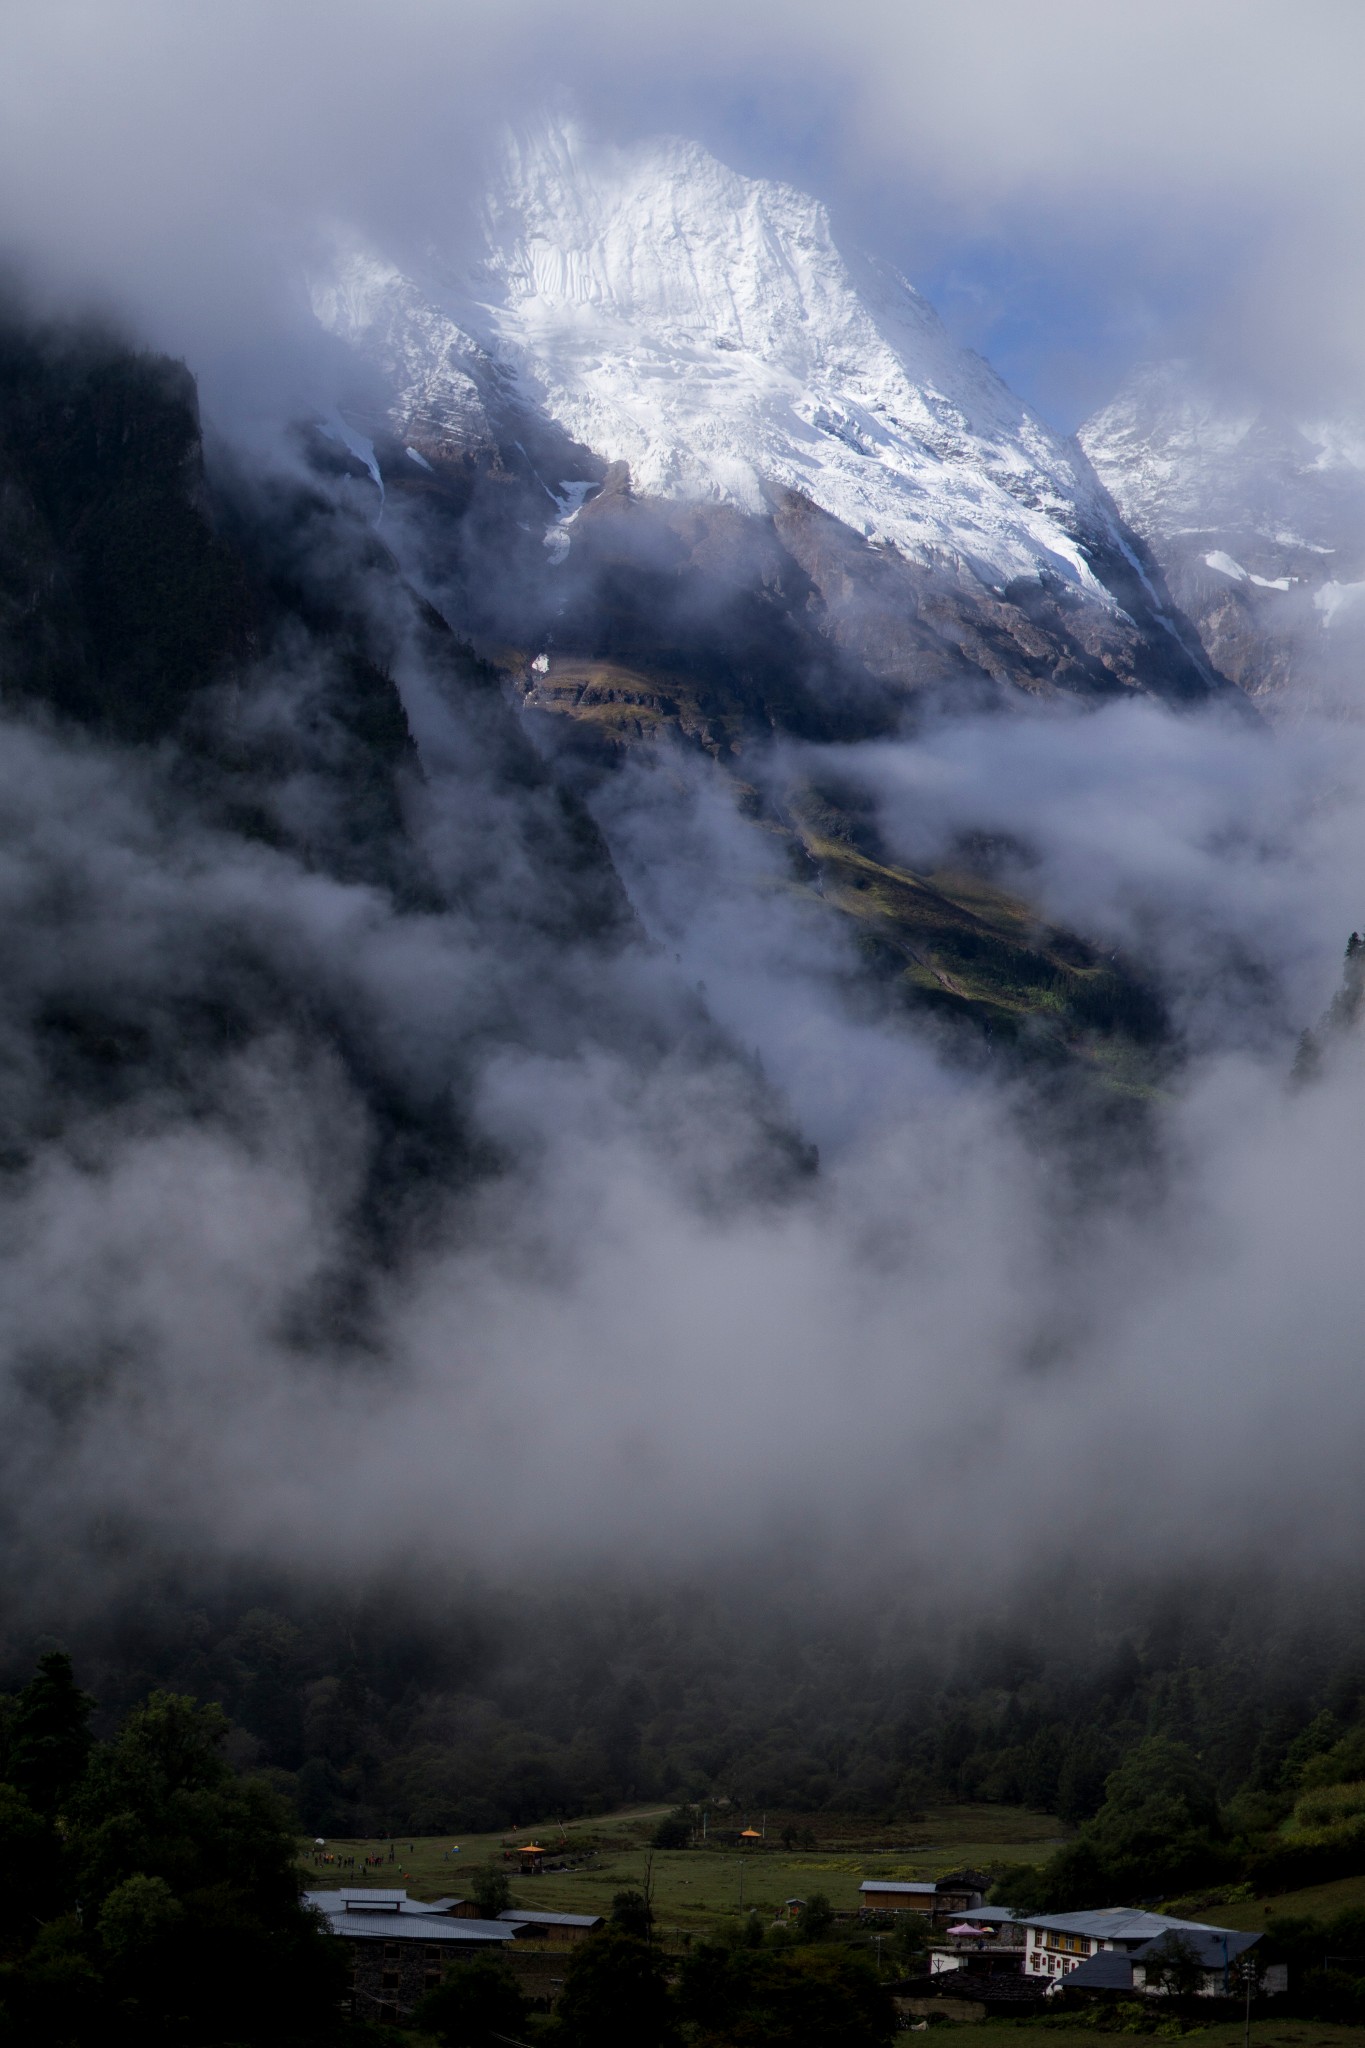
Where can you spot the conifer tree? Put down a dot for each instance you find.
(50, 1738)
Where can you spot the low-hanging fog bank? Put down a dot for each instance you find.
(974, 1334)
(479, 1204)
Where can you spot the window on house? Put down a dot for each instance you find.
(389, 1980)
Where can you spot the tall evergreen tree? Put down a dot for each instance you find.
(50, 1735)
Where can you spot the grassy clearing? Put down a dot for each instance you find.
(696, 1889)
(1319, 1902)
(970, 948)
(621, 706)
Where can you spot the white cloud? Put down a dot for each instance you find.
(178, 157)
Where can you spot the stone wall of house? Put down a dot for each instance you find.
(389, 1977)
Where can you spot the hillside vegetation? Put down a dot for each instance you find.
(951, 940)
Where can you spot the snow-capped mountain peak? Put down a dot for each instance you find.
(704, 328)
(641, 318)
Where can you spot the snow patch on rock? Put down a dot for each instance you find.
(1225, 565)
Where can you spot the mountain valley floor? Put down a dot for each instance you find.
(697, 1890)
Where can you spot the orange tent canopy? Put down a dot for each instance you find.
(531, 1849)
(751, 1835)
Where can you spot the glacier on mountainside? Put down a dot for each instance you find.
(1256, 516)
(704, 329)
(1181, 458)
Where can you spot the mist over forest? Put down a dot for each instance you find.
(681, 1115)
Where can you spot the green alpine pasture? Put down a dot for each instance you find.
(696, 1890)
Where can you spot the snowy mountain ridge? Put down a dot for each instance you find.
(1256, 516)
(703, 328)
(1178, 457)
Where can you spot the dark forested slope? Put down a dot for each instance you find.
(497, 1708)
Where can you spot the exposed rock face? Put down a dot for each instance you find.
(435, 371)
(117, 597)
(1257, 520)
(224, 665)
(794, 419)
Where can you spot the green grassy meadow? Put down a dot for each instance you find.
(1317, 1902)
(696, 1889)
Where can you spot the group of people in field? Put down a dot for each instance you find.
(369, 1861)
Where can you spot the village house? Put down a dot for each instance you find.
(399, 1948)
(1221, 1958)
(1110, 1950)
(552, 1930)
(947, 1895)
(987, 1942)
(1120, 1949)
(880, 1895)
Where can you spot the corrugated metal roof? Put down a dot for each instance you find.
(378, 1902)
(1214, 1948)
(551, 1919)
(1110, 1970)
(390, 1926)
(882, 1884)
(1115, 1923)
(370, 1895)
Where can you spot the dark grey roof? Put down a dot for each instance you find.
(1214, 1946)
(1116, 1923)
(368, 1901)
(885, 1884)
(398, 1927)
(532, 1919)
(1110, 1970)
(408, 1922)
